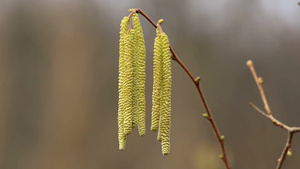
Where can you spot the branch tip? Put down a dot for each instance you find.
(249, 63)
(131, 10)
(160, 21)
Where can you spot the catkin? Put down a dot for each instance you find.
(141, 65)
(165, 95)
(128, 82)
(123, 32)
(161, 96)
(131, 110)
(134, 89)
(157, 83)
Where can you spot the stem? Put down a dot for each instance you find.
(259, 84)
(288, 145)
(197, 85)
(210, 117)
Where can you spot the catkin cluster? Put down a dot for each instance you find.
(131, 111)
(161, 95)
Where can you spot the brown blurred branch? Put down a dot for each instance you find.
(269, 115)
(196, 81)
(209, 116)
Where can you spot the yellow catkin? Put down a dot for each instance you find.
(131, 110)
(123, 32)
(141, 65)
(128, 82)
(157, 82)
(166, 95)
(134, 89)
(160, 100)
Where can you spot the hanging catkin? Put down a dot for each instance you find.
(123, 32)
(165, 106)
(128, 82)
(134, 88)
(161, 96)
(141, 65)
(157, 82)
(131, 110)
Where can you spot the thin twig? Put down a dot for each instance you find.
(269, 115)
(197, 85)
(258, 109)
(209, 115)
(259, 84)
(287, 147)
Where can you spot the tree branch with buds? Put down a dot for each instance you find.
(196, 81)
(268, 114)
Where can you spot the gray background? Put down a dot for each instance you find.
(59, 76)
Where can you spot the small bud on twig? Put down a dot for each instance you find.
(249, 63)
(289, 153)
(260, 81)
(131, 10)
(206, 115)
(160, 21)
(222, 137)
(221, 156)
(197, 80)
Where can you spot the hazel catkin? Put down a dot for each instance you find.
(157, 82)
(141, 76)
(131, 108)
(128, 82)
(165, 108)
(123, 32)
(161, 95)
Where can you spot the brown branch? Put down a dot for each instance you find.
(287, 148)
(208, 115)
(196, 81)
(269, 115)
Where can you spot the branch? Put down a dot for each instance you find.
(196, 81)
(208, 114)
(291, 130)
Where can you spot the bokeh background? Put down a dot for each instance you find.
(59, 76)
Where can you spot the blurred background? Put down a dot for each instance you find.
(59, 83)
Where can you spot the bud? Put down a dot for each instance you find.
(260, 81)
(206, 115)
(222, 137)
(197, 80)
(249, 63)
